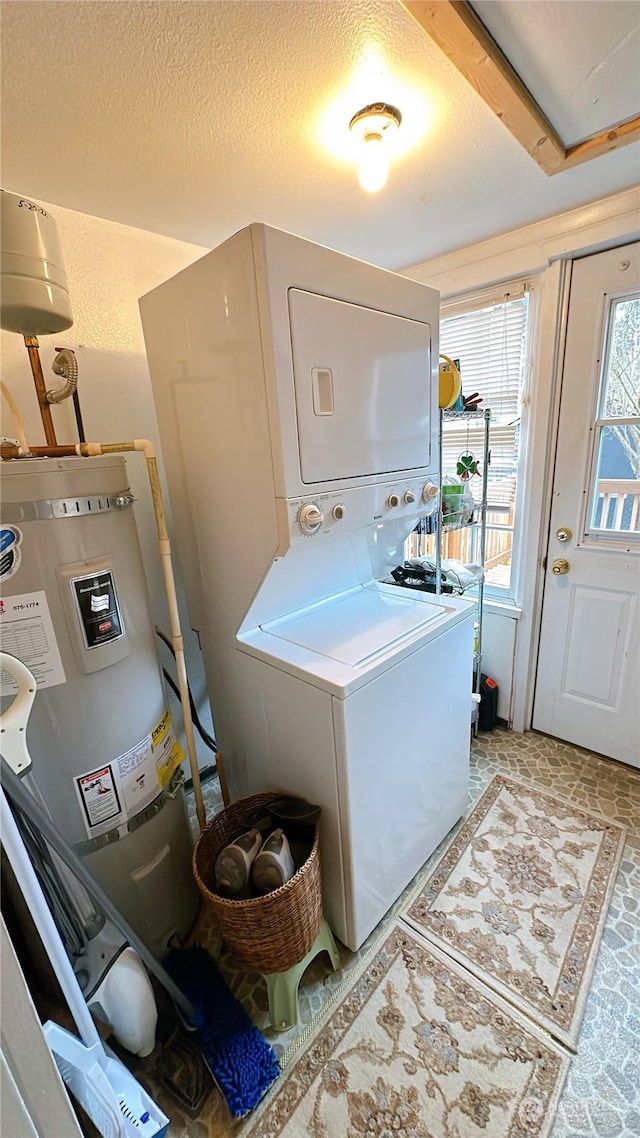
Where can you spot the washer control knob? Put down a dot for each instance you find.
(310, 519)
(429, 492)
(393, 500)
(409, 497)
(338, 512)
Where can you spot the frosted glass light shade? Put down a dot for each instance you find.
(373, 170)
(373, 126)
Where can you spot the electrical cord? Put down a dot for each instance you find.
(64, 915)
(202, 731)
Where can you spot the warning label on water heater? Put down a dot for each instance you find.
(99, 797)
(118, 791)
(166, 748)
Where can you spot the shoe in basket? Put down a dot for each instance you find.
(233, 863)
(274, 865)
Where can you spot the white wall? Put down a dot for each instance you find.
(544, 250)
(109, 266)
(498, 651)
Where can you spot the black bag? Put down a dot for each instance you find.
(488, 714)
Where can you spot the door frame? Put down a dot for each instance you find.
(543, 252)
(36, 1095)
(547, 444)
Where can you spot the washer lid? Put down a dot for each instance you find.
(356, 626)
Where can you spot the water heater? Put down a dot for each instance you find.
(74, 609)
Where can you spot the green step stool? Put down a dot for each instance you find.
(282, 987)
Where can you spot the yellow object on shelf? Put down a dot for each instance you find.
(450, 382)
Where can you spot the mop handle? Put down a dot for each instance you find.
(45, 924)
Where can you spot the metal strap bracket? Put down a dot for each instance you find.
(79, 506)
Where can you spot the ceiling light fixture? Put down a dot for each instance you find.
(374, 125)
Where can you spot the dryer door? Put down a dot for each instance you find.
(362, 388)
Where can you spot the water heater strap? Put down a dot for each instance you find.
(47, 508)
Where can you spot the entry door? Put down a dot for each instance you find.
(588, 680)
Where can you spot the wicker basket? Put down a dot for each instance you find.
(269, 933)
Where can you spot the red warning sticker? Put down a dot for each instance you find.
(99, 796)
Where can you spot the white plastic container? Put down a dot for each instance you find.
(35, 296)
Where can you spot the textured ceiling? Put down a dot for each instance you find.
(193, 119)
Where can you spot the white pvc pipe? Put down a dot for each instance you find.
(17, 418)
(146, 447)
(44, 922)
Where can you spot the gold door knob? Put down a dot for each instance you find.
(560, 566)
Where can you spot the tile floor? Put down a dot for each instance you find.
(601, 1098)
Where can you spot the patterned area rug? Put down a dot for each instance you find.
(416, 1046)
(520, 898)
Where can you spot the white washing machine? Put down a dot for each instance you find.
(296, 393)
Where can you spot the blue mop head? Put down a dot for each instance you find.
(239, 1057)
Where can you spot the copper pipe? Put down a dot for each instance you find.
(32, 346)
(58, 451)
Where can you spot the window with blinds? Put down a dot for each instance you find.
(490, 343)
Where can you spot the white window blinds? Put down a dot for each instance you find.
(490, 343)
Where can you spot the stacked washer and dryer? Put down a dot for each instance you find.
(296, 394)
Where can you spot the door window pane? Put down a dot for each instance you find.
(621, 394)
(616, 500)
(615, 493)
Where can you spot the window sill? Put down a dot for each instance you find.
(501, 608)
